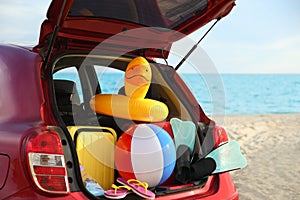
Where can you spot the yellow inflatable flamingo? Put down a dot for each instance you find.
(133, 105)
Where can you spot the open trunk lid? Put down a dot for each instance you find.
(83, 24)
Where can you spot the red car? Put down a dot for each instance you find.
(55, 140)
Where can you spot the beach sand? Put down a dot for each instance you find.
(271, 144)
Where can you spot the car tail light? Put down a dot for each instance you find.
(220, 136)
(46, 162)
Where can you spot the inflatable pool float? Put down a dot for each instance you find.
(133, 105)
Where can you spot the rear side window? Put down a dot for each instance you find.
(111, 80)
(69, 75)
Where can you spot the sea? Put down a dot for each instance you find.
(253, 94)
(235, 94)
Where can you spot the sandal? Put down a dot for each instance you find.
(138, 187)
(119, 192)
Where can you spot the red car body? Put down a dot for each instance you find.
(26, 103)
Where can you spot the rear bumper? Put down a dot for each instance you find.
(217, 187)
(29, 193)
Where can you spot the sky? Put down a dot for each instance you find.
(258, 36)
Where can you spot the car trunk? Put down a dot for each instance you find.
(95, 137)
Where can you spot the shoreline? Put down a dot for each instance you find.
(271, 144)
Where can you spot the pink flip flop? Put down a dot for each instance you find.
(119, 192)
(138, 187)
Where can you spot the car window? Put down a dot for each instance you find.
(111, 80)
(163, 13)
(70, 74)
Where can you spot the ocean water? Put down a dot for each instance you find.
(233, 93)
(253, 93)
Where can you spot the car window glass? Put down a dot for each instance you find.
(162, 13)
(70, 74)
(111, 80)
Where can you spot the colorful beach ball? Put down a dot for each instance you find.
(145, 152)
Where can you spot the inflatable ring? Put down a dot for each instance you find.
(133, 105)
(146, 110)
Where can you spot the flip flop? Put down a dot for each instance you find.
(138, 187)
(119, 192)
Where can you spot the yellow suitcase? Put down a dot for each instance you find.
(95, 149)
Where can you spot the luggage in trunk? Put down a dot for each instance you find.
(97, 162)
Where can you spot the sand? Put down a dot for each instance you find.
(271, 144)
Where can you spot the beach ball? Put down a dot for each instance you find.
(145, 152)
